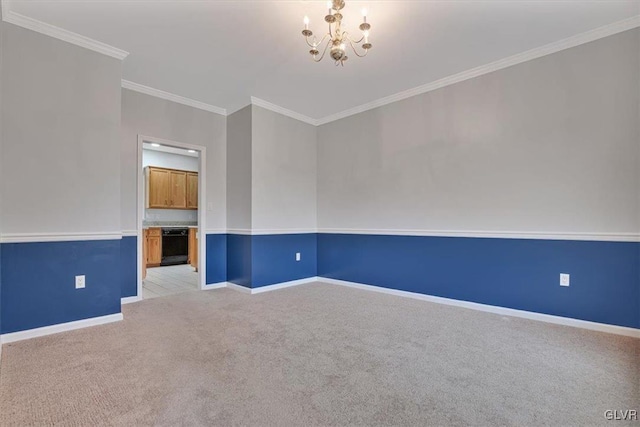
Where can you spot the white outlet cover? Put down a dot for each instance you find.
(298, 256)
(565, 279)
(80, 282)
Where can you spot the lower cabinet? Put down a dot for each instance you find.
(153, 246)
(193, 248)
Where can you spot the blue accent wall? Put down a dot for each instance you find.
(239, 259)
(38, 282)
(216, 258)
(256, 261)
(129, 266)
(274, 258)
(513, 273)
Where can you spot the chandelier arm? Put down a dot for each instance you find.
(309, 44)
(323, 39)
(356, 52)
(313, 46)
(323, 52)
(346, 34)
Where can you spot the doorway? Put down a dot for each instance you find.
(171, 197)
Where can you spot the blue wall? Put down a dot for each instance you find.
(255, 261)
(128, 266)
(216, 258)
(239, 259)
(274, 258)
(38, 286)
(512, 273)
(38, 282)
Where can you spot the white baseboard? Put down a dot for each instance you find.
(238, 288)
(214, 286)
(283, 285)
(268, 288)
(558, 320)
(129, 300)
(62, 327)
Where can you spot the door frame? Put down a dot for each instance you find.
(202, 203)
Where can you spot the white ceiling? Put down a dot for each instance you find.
(223, 52)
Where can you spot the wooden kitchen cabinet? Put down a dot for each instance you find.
(158, 188)
(192, 190)
(193, 248)
(153, 243)
(169, 188)
(178, 182)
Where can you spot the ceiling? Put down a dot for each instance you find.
(224, 52)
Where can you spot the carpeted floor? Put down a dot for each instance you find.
(317, 354)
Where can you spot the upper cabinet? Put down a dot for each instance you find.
(158, 188)
(178, 182)
(192, 190)
(171, 189)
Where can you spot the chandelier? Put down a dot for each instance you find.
(337, 38)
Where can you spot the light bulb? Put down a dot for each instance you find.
(342, 46)
(329, 5)
(364, 12)
(306, 20)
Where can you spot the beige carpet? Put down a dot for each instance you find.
(317, 354)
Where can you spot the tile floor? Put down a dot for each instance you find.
(170, 280)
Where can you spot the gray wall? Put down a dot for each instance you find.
(284, 157)
(551, 145)
(60, 168)
(150, 116)
(239, 170)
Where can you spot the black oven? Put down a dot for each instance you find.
(175, 246)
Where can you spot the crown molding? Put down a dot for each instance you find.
(126, 84)
(285, 112)
(586, 37)
(59, 33)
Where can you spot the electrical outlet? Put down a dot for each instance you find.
(564, 279)
(80, 282)
(298, 256)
